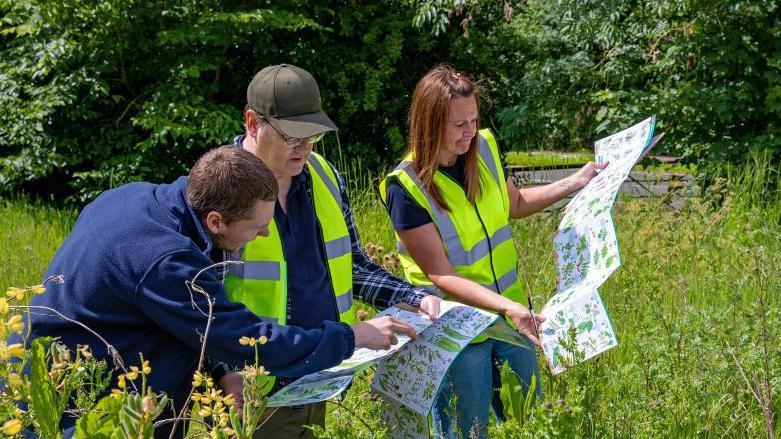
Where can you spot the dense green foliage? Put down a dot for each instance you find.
(97, 93)
(564, 73)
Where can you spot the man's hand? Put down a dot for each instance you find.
(581, 178)
(232, 383)
(380, 333)
(522, 319)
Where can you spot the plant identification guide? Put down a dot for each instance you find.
(410, 371)
(588, 253)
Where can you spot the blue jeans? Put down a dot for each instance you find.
(462, 403)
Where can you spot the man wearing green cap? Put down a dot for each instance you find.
(312, 263)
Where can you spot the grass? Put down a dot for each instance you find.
(543, 159)
(695, 304)
(29, 237)
(549, 159)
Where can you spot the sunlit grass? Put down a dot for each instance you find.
(29, 236)
(685, 304)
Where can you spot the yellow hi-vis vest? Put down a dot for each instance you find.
(261, 282)
(476, 236)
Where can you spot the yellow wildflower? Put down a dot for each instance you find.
(133, 374)
(16, 350)
(38, 289)
(229, 400)
(15, 323)
(12, 427)
(121, 382)
(148, 404)
(145, 369)
(197, 380)
(247, 341)
(116, 393)
(205, 411)
(16, 293)
(4, 307)
(85, 351)
(14, 380)
(263, 339)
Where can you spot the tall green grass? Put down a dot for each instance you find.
(685, 303)
(30, 234)
(695, 304)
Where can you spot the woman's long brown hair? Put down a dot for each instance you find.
(428, 117)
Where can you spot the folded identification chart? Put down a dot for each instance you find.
(410, 372)
(588, 253)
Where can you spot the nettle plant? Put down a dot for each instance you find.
(42, 380)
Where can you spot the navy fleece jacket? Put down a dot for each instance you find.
(125, 265)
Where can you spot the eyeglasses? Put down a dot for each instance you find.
(292, 142)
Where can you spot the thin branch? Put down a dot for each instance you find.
(192, 286)
(112, 351)
(743, 374)
(177, 419)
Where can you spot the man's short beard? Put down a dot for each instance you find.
(219, 242)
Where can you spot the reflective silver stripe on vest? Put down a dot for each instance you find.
(315, 164)
(338, 247)
(479, 251)
(447, 230)
(268, 319)
(256, 270)
(501, 235)
(506, 280)
(488, 158)
(344, 301)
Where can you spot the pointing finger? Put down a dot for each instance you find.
(403, 328)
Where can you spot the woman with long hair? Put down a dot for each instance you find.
(450, 204)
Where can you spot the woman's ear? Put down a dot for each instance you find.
(214, 222)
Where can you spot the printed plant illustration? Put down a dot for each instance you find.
(586, 250)
(578, 326)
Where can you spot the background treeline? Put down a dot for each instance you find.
(97, 93)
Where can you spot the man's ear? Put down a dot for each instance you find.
(214, 222)
(251, 122)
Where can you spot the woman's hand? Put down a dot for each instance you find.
(522, 319)
(429, 306)
(580, 179)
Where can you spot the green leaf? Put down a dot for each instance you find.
(44, 395)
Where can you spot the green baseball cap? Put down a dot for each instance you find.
(289, 96)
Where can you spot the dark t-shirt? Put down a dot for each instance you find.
(405, 213)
